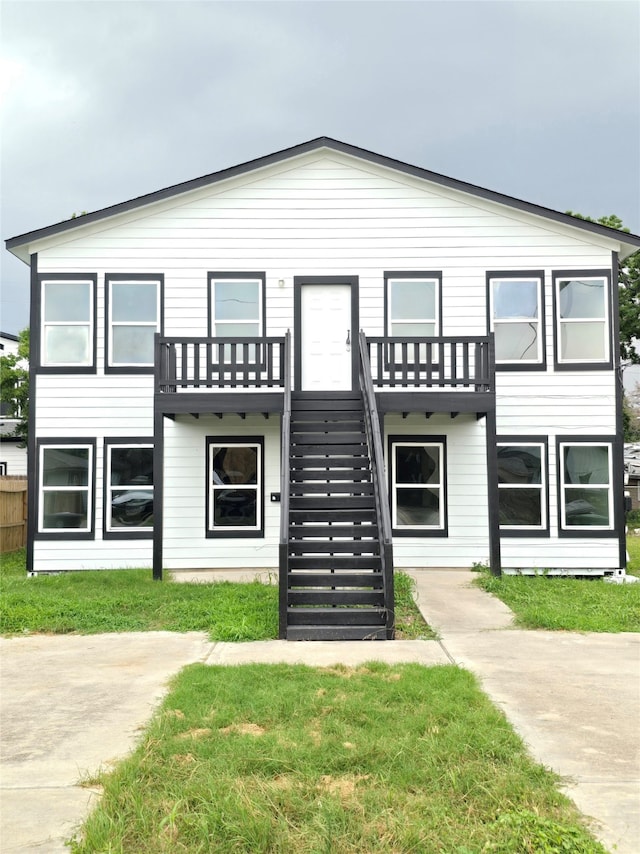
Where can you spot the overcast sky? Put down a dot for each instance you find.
(104, 100)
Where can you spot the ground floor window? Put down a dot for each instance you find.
(585, 485)
(522, 485)
(417, 484)
(235, 494)
(66, 477)
(128, 482)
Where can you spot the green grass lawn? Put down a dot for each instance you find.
(284, 759)
(130, 601)
(571, 604)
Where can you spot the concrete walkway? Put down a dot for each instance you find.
(70, 705)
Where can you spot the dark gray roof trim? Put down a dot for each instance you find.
(303, 148)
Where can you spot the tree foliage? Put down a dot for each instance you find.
(629, 294)
(14, 384)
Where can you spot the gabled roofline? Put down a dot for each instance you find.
(303, 148)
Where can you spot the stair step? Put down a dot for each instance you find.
(360, 461)
(324, 398)
(327, 449)
(336, 579)
(341, 488)
(317, 516)
(298, 532)
(346, 598)
(336, 616)
(347, 421)
(341, 437)
(336, 633)
(336, 502)
(331, 476)
(350, 547)
(334, 562)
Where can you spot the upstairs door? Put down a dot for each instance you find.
(326, 325)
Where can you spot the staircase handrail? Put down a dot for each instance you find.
(372, 426)
(283, 556)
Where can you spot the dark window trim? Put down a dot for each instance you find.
(66, 533)
(3, 469)
(130, 277)
(124, 534)
(419, 439)
(261, 276)
(520, 274)
(616, 486)
(613, 345)
(413, 274)
(93, 345)
(521, 533)
(298, 283)
(244, 533)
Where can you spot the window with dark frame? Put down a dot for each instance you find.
(522, 486)
(583, 326)
(585, 482)
(236, 310)
(516, 317)
(66, 478)
(235, 491)
(412, 304)
(67, 322)
(417, 484)
(128, 488)
(134, 315)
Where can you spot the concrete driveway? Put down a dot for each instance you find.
(70, 705)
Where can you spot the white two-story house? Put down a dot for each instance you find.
(328, 363)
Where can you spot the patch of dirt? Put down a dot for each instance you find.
(184, 759)
(199, 732)
(343, 787)
(243, 729)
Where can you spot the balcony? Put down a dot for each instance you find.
(219, 375)
(451, 374)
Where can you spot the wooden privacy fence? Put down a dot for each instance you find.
(13, 513)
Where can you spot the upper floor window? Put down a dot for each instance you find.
(583, 335)
(68, 321)
(412, 304)
(134, 315)
(516, 316)
(236, 305)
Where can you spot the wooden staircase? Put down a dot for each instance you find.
(334, 578)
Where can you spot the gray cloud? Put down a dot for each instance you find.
(110, 100)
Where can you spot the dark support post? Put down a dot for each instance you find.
(32, 467)
(158, 492)
(618, 446)
(492, 494)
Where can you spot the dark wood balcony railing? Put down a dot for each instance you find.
(219, 363)
(432, 363)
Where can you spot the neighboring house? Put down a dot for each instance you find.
(13, 454)
(632, 470)
(476, 418)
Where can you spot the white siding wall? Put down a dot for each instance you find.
(321, 214)
(466, 468)
(185, 543)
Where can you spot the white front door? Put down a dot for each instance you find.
(326, 337)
